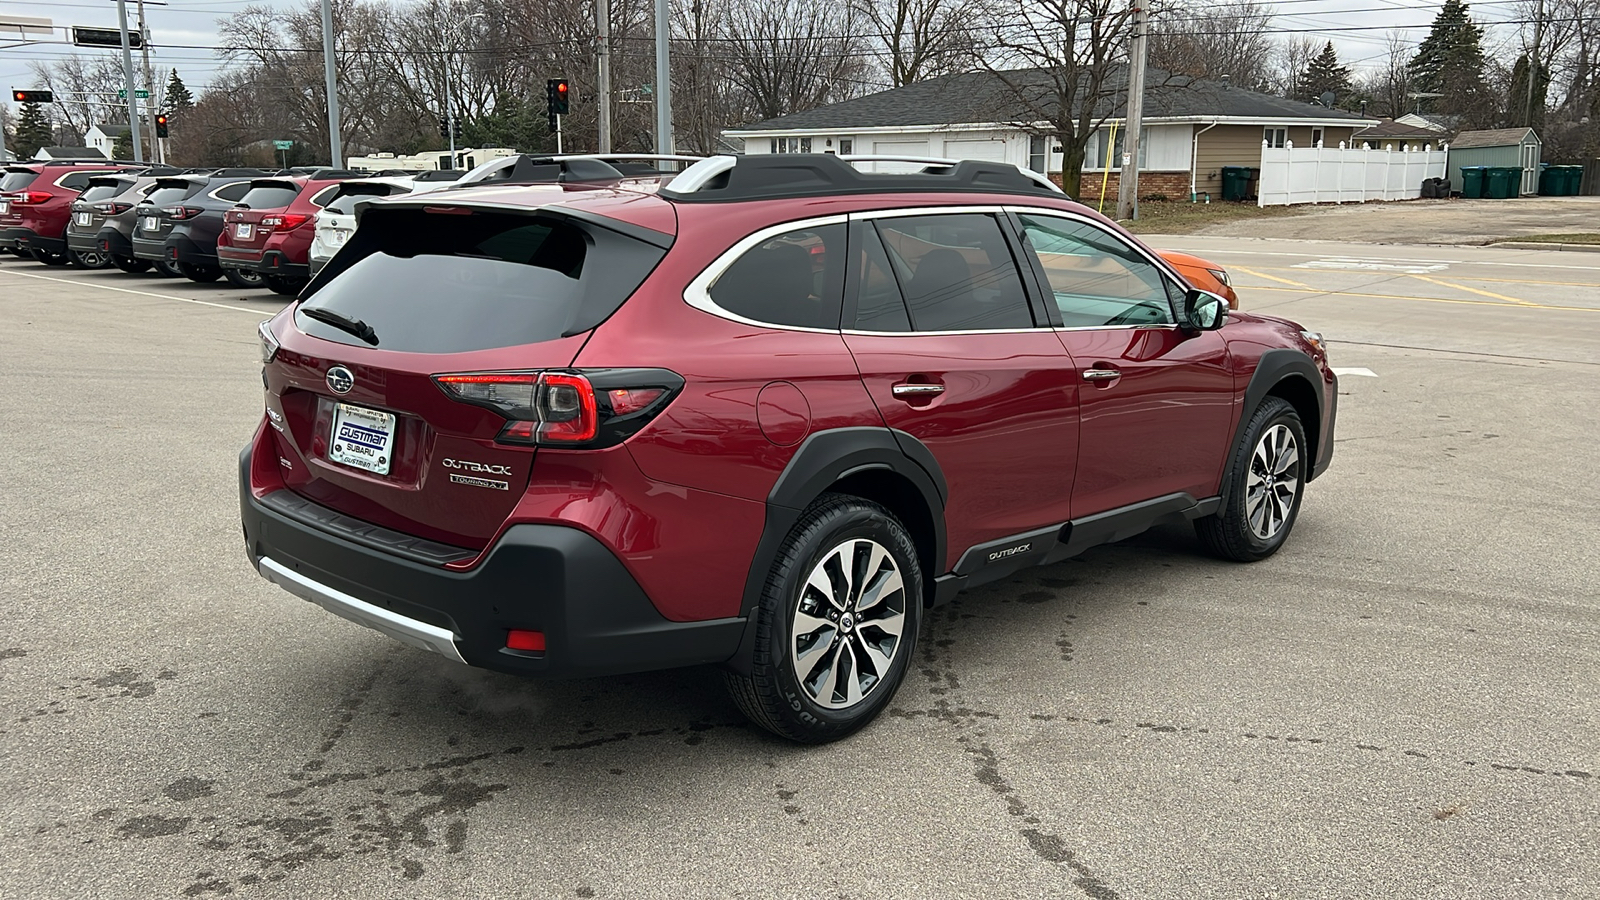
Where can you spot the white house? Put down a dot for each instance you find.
(104, 138)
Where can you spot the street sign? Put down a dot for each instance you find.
(283, 145)
(22, 26)
(138, 93)
(105, 37)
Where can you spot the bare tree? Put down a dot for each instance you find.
(1290, 60)
(1387, 86)
(793, 55)
(85, 90)
(1074, 53)
(920, 39)
(1209, 41)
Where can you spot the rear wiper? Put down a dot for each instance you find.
(342, 322)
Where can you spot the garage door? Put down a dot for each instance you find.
(994, 151)
(898, 148)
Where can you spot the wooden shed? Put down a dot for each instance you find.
(1508, 147)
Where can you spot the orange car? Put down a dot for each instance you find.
(1203, 274)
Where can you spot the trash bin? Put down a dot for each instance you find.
(1472, 181)
(1574, 180)
(1502, 182)
(1552, 181)
(1235, 181)
(1252, 177)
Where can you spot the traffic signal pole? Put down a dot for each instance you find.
(602, 26)
(335, 143)
(663, 79)
(127, 74)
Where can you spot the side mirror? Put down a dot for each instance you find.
(1203, 311)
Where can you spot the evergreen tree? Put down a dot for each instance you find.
(178, 97)
(122, 148)
(33, 131)
(1519, 105)
(1324, 75)
(1449, 62)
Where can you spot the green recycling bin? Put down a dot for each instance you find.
(1472, 181)
(1502, 182)
(1574, 180)
(1235, 182)
(1552, 181)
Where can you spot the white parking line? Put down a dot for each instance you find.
(1342, 371)
(107, 287)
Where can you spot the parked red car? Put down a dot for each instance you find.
(36, 204)
(266, 238)
(762, 416)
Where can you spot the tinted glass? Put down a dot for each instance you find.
(1096, 278)
(345, 203)
(102, 191)
(16, 181)
(431, 283)
(76, 181)
(233, 192)
(164, 195)
(793, 279)
(879, 305)
(956, 272)
(269, 196)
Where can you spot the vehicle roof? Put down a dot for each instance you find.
(633, 207)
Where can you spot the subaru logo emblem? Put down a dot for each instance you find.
(341, 380)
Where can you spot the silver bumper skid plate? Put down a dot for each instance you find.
(402, 628)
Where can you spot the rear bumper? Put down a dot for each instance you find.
(20, 236)
(270, 262)
(558, 580)
(110, 240)
(176, 248)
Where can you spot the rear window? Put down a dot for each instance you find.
(436, 283)
(274, 196)
(102, 191)
(345, 203)
(163, 195)
(16, 181)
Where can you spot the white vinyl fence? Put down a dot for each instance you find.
(1319, 174)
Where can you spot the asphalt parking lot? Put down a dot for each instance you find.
(1402, 703)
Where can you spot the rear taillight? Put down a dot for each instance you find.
(29, 198)
(590, 408)
(269, 342)
(285, 222)
(182, 212)
(112, 208)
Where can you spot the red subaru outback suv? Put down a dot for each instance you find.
(266, 238)
(36, 204)
(762, 416)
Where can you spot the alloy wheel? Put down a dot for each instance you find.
(847, 626)
(1273, 482)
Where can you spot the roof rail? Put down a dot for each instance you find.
(526, 169)
(769, 176)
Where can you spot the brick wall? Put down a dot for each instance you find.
(1173, 185)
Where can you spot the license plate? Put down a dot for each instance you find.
(337, 237)
(362, 438)
(5, 207)
(151, 223)
(85, 218)
(243, 230)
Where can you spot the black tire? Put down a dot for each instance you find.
(51, 257)
(280, 284)
(90, 259)
(243, 279)
(783, 700)
(20, 253)
(166, 268)
(201, 274)
(130, 265)
(1243, 529)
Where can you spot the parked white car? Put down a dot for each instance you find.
(337, 220)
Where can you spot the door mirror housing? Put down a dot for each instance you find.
(1203, 311)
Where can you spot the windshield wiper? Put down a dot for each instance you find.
(349, 324)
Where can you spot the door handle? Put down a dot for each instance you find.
(1101, 374)
(917, 390)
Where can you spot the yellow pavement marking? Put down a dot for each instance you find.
(107, 287)
(1588, 284)
(1519, 305)
(1269, 277)
(1471, 290)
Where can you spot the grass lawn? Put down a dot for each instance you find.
(1579, 238)
(1183, 217)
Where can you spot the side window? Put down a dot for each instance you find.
(1096, 278)
(232, 193)
(879, 305)
(76, 181)
(955, 272)
(794, 279)
(1275, 137)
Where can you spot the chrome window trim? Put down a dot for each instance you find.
(698, 293)
(907, 212)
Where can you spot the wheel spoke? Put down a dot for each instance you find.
(886, 584)
(823, 585)
(1289, 457)
(852, 678)
(891, 624)
(880, 660)
(825, 690)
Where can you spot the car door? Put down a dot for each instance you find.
(1157, 403)
(956, 355)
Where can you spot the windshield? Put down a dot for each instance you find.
(430, 283)
(270, 196)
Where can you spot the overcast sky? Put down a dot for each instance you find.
(184, 31)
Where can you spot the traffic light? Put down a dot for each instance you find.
(444, 128)
(32, 96)
(161, 125)
(448, 125)
(558, 94)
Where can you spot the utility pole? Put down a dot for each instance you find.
(1128, 184)
(156, 153)
(1533, 61)
(335, 144)
(127, 76)
(663, 78)
(602, 27)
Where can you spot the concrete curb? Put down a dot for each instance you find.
(1543, 245)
